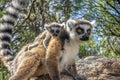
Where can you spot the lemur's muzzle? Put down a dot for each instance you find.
(85, 37)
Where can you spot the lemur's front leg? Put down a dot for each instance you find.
(71, 71)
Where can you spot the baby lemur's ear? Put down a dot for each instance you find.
(46, 27)
(62, 25)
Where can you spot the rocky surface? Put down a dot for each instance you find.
(99, 68)
(95, 68)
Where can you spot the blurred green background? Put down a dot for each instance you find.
(105, 38)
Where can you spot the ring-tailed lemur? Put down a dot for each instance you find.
(32, 62)
(6, 27)
(51, 30)
(55, 44)
(53, 47)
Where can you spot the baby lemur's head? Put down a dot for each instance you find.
(79, 30)
(54, 28)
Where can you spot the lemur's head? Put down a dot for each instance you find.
(79, 30)
(54, 28)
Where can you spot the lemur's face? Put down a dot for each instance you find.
(83, 31)
(79, 30)
(54, 29)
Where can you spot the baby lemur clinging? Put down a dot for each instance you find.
(53, 29)
(53, 50)
(53, 45)
(47, 59)
(39, 61)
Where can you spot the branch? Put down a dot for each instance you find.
(112, 7)
(28, 15)
(109, 12)
(113, 33)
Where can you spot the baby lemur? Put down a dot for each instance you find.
(53, 51)
(51, 30)
(54, 43)
(48, 58)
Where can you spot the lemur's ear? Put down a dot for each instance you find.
(70, 23)
(93, 23)
(62, 25)
(46, 27)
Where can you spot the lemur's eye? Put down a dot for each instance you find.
(79, 30)
(52, 31)
(89, 31)
(57, 31)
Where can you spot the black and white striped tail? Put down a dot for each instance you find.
(6, 27)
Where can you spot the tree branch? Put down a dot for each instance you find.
(28, 15)
(112, 7)
(109, 12)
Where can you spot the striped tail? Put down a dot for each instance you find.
(6, 28)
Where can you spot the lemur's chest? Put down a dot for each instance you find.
(68, 54)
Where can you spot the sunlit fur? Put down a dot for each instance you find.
(71, 48)
(41, 61)
(32, 62)
(53, 50)
(47, 34)
(6, 27)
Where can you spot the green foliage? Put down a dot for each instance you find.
(106, 36)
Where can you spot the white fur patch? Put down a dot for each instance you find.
(4, 42)
(8, 17)
(8, 57)
(11, 10)
(4, 51)
(5, 26)
(68, 55)
(16, 4)
(93, 23)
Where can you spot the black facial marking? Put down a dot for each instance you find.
(89, 31)
(57, 31)
(64, 36)
(52, 31)
(85, 37)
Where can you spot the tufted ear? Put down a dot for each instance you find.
(70, 23)
(62, 25)
(93, 23)
(46, 27)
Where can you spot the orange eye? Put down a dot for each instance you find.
(79, 30)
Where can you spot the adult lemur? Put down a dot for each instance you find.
(32, 62)
(6, 27)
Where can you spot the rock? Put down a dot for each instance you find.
(99, 68)
(95, 68)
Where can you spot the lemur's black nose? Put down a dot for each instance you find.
(54, 34)
(85, 37)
